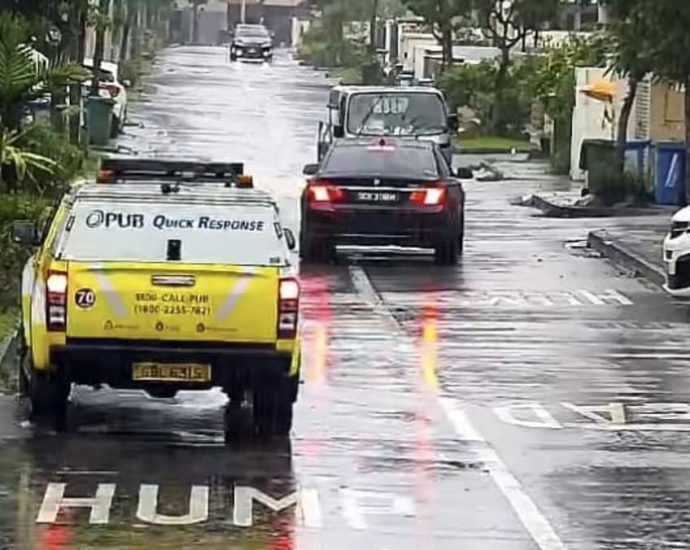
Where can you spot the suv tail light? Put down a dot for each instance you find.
(113, 90)
(56, 301)
(288, 308)
(323, 192)
(429, 196)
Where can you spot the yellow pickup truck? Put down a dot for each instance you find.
(163, 276)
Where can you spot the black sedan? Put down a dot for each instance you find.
(251, 42)
(382, 192)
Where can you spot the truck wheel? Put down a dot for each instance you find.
(48, 394)
(446, 252)
(273, 411)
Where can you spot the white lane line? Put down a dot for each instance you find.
(535, 523)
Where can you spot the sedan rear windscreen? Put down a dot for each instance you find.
(390, 162)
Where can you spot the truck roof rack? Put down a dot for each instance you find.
(156, 170)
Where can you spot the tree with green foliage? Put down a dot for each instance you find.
(18, 161)
(664, 41)
(628, 27)
(506, 24)
(552, 83)
(24, 76)
(440, 15)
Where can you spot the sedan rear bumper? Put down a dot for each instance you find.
(371, 227)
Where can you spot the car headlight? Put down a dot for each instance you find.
(678, 228)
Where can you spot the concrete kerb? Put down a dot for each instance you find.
(552, 210)
(531, 154)
(623, 256)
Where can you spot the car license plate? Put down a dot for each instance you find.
(384, 197)
(171, 372)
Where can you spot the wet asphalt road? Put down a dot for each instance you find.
(532, 397)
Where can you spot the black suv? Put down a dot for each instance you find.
(251, 42)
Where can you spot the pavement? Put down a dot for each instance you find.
(637, 247)
(533, 397)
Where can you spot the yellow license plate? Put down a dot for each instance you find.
(166, 372)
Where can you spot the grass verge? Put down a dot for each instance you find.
(495, 142)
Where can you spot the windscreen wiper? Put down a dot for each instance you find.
(367, 116)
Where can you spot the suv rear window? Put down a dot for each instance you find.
(142, 232)
(393, 162)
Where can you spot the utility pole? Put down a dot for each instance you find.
(243, 11)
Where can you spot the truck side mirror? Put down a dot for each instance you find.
(310, 169)
(26, 232)
(338, 131)
(453, 122)
(290, 238)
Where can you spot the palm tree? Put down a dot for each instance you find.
(25, 74)
(20, 163)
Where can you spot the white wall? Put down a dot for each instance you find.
(412, 45)
(588, 116)
(422, 52)
(299, 27)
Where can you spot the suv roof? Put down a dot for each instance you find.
(387, 89)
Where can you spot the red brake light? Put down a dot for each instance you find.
(429, 196)
(113, 90)
(323, 191)
(288, 307)
(56, 301)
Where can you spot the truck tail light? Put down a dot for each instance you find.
(56, 301)
(429, 196)
(288, 308)
(324, 192)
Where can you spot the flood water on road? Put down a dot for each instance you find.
(531, 397)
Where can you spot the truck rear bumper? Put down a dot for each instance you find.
(111, 362)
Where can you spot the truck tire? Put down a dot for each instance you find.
(273, 411)
(48, 395)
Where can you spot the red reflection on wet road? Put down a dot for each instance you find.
(317, 365)
(427, 384)
(283, 538)
(54, 537)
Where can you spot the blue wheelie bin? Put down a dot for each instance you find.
(669, 172)
(636, 152)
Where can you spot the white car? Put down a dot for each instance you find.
(112, 88)
(677, 255)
